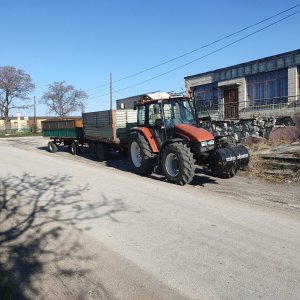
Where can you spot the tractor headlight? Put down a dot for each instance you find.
(207, 143)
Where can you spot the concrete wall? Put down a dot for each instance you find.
(201, 80)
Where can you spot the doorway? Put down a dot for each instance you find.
(231, 103)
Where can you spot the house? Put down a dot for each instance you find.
(264, 87)
(128, 103)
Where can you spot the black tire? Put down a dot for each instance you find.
(178, 164)
(146, 164)
(102, 152)
(230, 174)
(73, 148)
(52, 147)
(93, 150)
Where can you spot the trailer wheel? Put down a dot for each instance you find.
(52, 147)
(178, 164)
(93, 150)
(73, 148)
(102, 151)
(142, 160)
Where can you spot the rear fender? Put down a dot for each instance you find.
(146, 132)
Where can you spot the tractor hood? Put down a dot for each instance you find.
(193, 133)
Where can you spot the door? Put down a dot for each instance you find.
(231, 103)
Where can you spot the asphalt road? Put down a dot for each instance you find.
(73, 228)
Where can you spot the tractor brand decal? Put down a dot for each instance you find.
(231, 158)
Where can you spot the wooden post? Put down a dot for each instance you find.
(110, 91)
(34, 115)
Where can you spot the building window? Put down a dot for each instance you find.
(254, 68)
(247, 70)
(267, 88)
(207, 93)
(241, 72)
(234, 73)
(228, 74)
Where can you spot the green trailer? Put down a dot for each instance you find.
(63, 132)
(108, 130)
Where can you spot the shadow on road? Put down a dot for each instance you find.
(120, 162)
(38, 227)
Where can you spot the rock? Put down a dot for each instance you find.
(287, 133)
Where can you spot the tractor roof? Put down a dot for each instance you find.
(160, 96)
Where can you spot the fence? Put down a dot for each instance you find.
(251, 109)
(15, 130)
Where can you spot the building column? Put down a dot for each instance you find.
(292, 84)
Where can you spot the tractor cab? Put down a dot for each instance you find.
(172, 117)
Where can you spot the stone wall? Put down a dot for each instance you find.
(258, 127)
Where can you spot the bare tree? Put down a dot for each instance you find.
(64, 99)
(15, 85)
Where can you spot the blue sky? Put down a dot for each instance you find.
(81, 42)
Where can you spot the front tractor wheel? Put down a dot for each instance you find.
(178, 164)
(140, 155)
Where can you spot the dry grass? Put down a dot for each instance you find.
(266, 145)
(257, 165)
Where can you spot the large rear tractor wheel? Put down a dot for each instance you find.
(142, 160)
(102, 152)
(178, 164)
(52, 147)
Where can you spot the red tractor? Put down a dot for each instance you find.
(169, 138)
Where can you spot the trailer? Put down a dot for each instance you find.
(63, 132)
(108, 130)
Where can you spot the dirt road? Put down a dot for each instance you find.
(73, 228)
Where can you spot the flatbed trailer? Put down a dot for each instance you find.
(108, 130)
(63, 132)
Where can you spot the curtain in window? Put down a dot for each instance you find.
(268, 88)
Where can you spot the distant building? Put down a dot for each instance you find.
(27, 123)
(262, 87)
(128, 103)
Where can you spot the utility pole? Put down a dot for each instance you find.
(34, 115)
(110, 88)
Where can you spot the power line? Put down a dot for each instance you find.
(206, 55)
(197, 49)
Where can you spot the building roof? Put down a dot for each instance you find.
(273, 57)
(135, 96)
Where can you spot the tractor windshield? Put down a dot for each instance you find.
(179, 112)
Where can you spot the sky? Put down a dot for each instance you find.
(81, 42)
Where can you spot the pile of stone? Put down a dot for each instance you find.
(244, 128)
